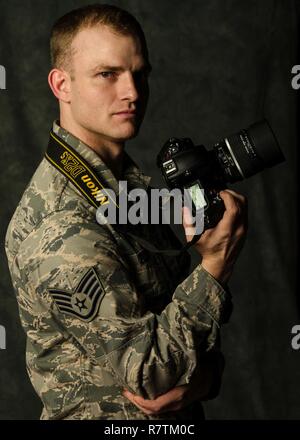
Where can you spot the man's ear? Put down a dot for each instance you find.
(60, 84)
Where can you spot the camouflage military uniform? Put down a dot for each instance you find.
(101, 314)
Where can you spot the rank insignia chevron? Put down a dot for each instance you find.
(84, 301)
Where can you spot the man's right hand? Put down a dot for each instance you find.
(220, 246)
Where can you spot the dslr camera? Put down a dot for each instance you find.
(204, 173)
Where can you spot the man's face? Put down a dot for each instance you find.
(109, 76)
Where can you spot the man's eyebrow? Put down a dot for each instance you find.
(107, 67)
(145, 67)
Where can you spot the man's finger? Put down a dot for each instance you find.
(161, 403)
(187, 222)
(230, 201)
(234, 208)
(138, 400)
(239, 197)
(133, 399)
(242, 204)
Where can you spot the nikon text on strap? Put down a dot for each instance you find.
(66, 160)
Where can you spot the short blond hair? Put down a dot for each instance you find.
(67, 27)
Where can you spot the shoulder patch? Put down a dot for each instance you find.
(84, 301)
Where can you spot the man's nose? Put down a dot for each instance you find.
(129, 89)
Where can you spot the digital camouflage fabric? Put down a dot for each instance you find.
(102, 314)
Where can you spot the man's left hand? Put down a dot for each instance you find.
(174, 400)
(178, 397)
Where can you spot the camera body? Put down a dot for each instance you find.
(204, 173)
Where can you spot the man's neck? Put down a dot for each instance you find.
(113, 158)
(112, 153)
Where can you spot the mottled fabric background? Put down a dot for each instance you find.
(217, 67)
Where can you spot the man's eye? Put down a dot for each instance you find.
(107, 74)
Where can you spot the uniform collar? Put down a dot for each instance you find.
(132, 174)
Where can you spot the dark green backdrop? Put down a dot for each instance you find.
(217, 67)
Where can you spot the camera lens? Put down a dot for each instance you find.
(252, 150)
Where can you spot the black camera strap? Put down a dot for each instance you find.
(77, 170)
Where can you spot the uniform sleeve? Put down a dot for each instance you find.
(82, 284)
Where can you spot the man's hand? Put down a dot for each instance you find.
(178, 397)
(220, 246)
(173, 400)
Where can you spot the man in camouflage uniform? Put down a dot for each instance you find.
(102, 314)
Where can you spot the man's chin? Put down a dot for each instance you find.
(128, 134)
